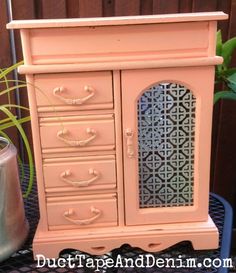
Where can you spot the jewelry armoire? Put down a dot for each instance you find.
(121, 113)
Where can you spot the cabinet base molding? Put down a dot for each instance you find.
(151, 238)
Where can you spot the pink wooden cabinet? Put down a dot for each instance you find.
(121, 119)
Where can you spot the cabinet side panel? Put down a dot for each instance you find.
(37, 151)
(212, 38)
(25, 40)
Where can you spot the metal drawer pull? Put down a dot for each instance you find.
(57, 92)
(129, 142)
(62, 136)
(71, 213)
(83, 183)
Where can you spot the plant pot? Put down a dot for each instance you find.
(13, 224)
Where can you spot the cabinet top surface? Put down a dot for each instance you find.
(124, 20)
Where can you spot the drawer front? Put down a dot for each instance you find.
(82, 174)
(82, 133)
(89, 211)
(74, 91)
(112, 43)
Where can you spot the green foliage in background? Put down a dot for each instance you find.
(12, 120)
(225, 74)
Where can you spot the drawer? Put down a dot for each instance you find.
(106, 44)
(77, 133)
(74, 91)
(83, 212)
(80, 173)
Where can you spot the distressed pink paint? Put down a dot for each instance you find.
(84, 77)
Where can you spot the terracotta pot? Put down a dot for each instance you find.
(13, 224)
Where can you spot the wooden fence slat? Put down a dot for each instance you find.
(146, 7)
(108, 8)
(5, 48)
(185, 6)
(224, 159)
(225, 175)
(23, 10)
(6, 61)
(53, 9)
(218, 112)
(125, 8)
(203, 5)
(224, 25)
(232, 24)
(163, 6)
(72, 8)
(91, 8)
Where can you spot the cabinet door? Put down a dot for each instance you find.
(166, 137)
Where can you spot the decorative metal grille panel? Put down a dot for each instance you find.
(166, 130)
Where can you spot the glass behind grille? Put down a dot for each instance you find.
(166, 130)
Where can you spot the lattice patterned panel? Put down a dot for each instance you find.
(166, 127)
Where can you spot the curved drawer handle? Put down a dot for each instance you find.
(70, 213)
(62, 136)
(57, 92)
(83, 183)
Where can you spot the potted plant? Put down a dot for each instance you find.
(13, 224)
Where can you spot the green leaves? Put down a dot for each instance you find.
(225, 75)
(231, 82)
(219, 49)
(12, 121)
(227, 51)
(224, 95)
(218, 43)
(9, 89)
(6, 71)
(10, 124)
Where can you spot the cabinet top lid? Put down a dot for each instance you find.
(124, 20)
